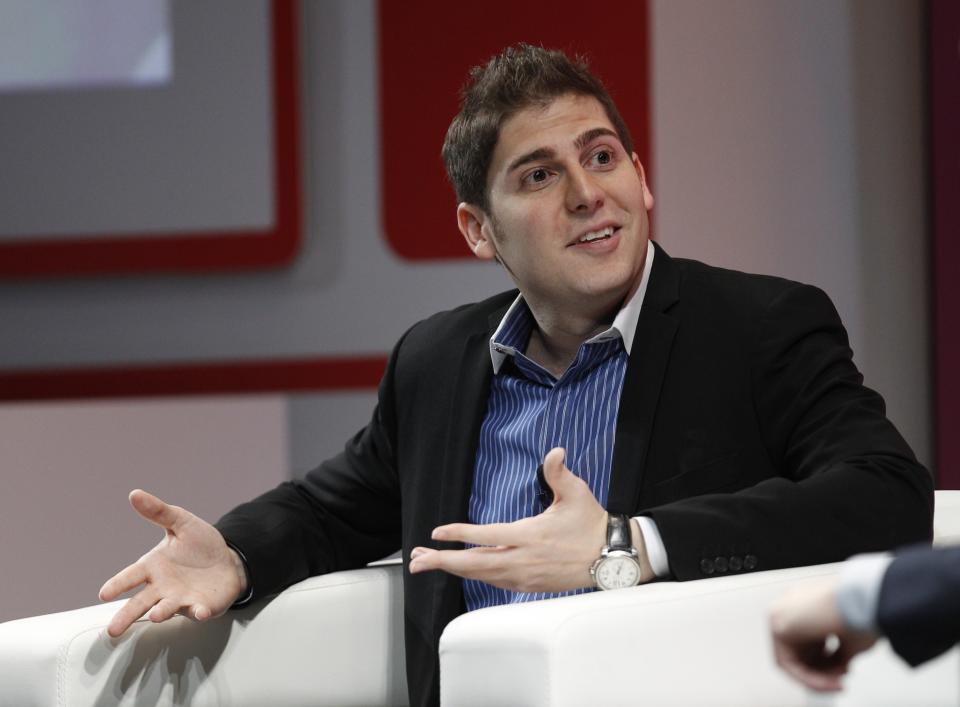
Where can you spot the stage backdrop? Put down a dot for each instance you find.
(780, 137)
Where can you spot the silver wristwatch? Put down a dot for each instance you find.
(618, 566)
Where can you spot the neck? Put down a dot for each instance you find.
(556, 338)
(561, 328)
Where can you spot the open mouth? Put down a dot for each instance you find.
(601, 234)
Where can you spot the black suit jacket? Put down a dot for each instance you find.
(743, 430)
(919, 604)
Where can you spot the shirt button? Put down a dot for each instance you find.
(720, 564)
(736, 564)
(749, 562)
(706, 566)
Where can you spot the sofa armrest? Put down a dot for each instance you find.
(702, 643)
(330, 640)
(946, 518)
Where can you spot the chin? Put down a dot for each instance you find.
(606, 290)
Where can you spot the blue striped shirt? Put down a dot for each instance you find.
(530, 412)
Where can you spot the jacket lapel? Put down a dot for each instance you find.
(641, 385)
(466, 417)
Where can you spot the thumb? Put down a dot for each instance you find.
(558, 477)
(154, 510)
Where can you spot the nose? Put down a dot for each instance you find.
(584, 195)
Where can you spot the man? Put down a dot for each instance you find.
(690, 421)
(913, 599)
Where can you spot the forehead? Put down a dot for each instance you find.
(554, 126)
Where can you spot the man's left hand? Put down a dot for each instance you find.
(550, 552)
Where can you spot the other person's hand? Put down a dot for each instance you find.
(192, 571)
(810, 640)
(550, 552)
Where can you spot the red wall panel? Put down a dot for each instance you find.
(426, 49)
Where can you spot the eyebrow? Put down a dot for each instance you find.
(547, 153)
(541, 153)
(589, 136)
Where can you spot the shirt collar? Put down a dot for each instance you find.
(516, 323)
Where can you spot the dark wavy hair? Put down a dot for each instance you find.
(519, 77)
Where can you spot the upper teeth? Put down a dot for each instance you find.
(594, 235)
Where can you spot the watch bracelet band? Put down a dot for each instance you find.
(618, 532)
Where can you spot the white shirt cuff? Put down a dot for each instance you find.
(656, 552)
(858, 590)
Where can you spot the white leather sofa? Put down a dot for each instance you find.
(337, 640)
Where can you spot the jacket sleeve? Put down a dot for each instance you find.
(344, 514)
(845, 480)
(919, 605)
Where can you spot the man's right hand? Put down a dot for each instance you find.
(192, 571)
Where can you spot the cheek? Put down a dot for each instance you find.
(635, 197)
(539, 225)
(527, 229)
(514, 229)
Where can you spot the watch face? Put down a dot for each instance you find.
(618, 572)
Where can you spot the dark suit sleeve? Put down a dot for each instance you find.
(342, 515)
(843, 480)
(919, 605)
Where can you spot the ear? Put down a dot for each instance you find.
(647, 195)
(477, 230)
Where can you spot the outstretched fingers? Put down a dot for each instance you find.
(125, 580)
(135, 607)
(163, 610)
(167, 608)
(483, 563)
(493, 534)
(155, 510)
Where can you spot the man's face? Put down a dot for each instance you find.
(568, 209)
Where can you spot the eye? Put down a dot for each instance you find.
(602, 157)
(537, 177)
